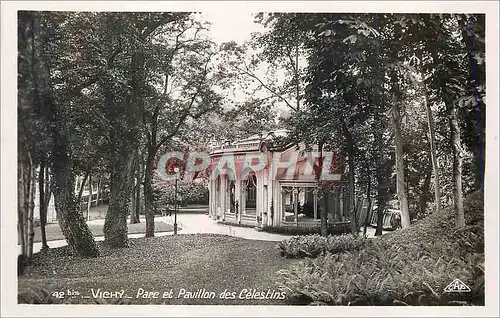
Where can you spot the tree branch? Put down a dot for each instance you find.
(80, 192)
(173, 133)
(249, 73)
(76, 90)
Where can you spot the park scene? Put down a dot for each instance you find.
(179, 158)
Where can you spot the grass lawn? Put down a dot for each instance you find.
(216, 263)
(54, 232)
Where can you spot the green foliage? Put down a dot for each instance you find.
(125, 85)
(406, 267)
(359, 66)
(35, 296)
(192, 193)
(315, 245)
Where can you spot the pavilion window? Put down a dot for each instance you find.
(232, 205)
(217, 191)
(250, 185)
(299, 203)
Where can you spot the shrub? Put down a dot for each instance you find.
(407, 267)
(164, 194)
(314, 245)
(236, 224)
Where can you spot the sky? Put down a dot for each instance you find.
(236, 24)
(232, 25)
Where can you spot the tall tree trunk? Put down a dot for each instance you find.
(133, 203)
(352, 189)
(126, 141)
(98, 192)
(26, 200)
(27, 105)
(48, 197)
(23, 195)
(72, 224)
(400, 174)
(89, 201)
(432, 144)
(323, 211)
(30, 225)
(351, 192)
(22, 198)
(82, 186)
(380, 217)
(115, 224)
(382, 173)
(369, 205)
(68, 209)
(475, 24)
(297, 77)
(69, 215)
(380, 157)
(138, 200)
(148, 195)
(424, 198)
(382, 169)
(43, 202)
(122, 163)
(134, 198)
(456, 144)
(324, 215)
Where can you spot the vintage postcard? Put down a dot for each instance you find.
(249, 158)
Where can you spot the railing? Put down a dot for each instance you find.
(249, 217)
(301, 223)
(235, 147)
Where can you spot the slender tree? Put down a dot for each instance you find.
(184, 93)
(50, 113)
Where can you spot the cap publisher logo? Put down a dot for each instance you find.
(457, 286)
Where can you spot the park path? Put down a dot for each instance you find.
(202, 223)
(191, 223)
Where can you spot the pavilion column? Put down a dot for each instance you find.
(216, 198)
(296, 206)
(258, 197)
(282, 212)
(223, 195)
(342, 206)
(243, 202)
(315, 203)
(278, 206)
(211, 198)
(265, 210)
(270, 202)
(237, 198)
